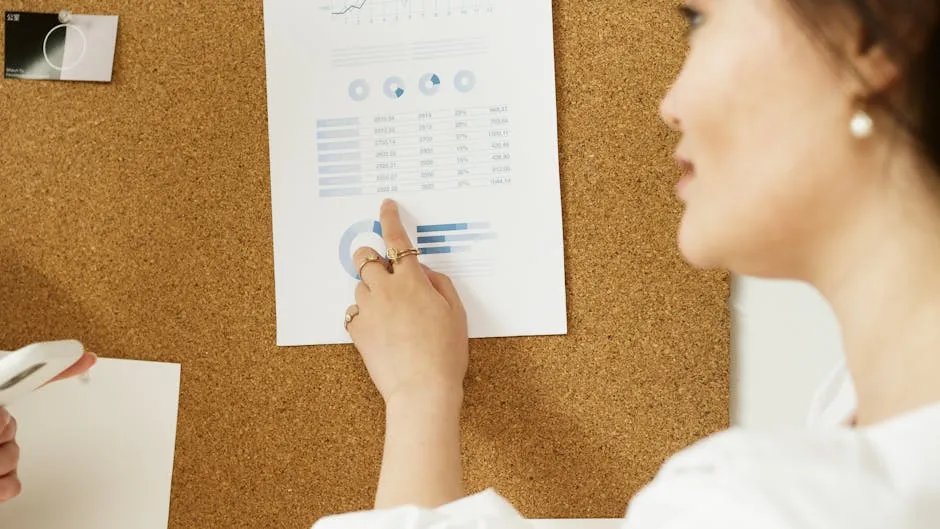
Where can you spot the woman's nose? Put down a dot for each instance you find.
(667, 111)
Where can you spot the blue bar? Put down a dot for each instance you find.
(339, 122)
(340, 169)
(453, 227)
(340, 192)
(340, 180)
(443, 249)
(339, 145)
(437, 249)
(455, 238)
(441, 227)
(340, 157)
(339, 133)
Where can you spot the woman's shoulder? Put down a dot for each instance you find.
(884, 476)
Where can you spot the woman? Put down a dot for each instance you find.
(10, 485)
(810, 150)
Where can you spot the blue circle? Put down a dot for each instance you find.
(465, 80)
(394, 87)
(359, 90)
(430, 84)
(345, 243)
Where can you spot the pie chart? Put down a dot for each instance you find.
(430, 84)
(394, 87)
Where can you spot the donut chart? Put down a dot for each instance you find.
(430, 84)
(394, 87)
(465, 81)
(346, 241)
(359, 90)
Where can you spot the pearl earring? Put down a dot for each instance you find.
(862, 125)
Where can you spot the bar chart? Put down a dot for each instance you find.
(460, 249)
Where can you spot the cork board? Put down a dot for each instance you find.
(136, 217)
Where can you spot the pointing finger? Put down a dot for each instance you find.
(395, 236)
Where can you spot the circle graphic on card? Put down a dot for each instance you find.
(430, 84)
(359, 90)
(70, 32)
(363, 233)
(394, 87)
(465, 80)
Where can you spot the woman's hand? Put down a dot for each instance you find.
(10, 485)
(9, 457)
(408, 322)
(410, 327)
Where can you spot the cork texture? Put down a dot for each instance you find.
(136, 217)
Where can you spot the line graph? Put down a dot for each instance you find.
(350, 7)
(389, 11)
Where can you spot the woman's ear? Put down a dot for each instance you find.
(877, 70)
(880, 55)
(866, 69)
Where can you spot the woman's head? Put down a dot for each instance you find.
(765, 103)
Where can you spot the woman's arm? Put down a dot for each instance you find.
(421, 464)
(410, 328)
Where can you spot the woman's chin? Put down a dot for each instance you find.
(694, 246)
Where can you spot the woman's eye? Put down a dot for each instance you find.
(692, 16)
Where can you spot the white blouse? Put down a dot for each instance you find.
(829, 476)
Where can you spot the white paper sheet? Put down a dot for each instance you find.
(447, 106)
(97, 455)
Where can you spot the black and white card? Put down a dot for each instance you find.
(42, 46)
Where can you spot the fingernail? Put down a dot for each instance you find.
(4, 418)
(388, 202)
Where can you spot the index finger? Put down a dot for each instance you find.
(82, 365)
(395, 236)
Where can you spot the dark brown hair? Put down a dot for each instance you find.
(908, 31)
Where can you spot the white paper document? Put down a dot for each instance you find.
(446, 106)
(97, 455)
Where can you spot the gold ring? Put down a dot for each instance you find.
(349, 318)
(371, 259)
(397, 255)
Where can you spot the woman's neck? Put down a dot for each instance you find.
(882, 279)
